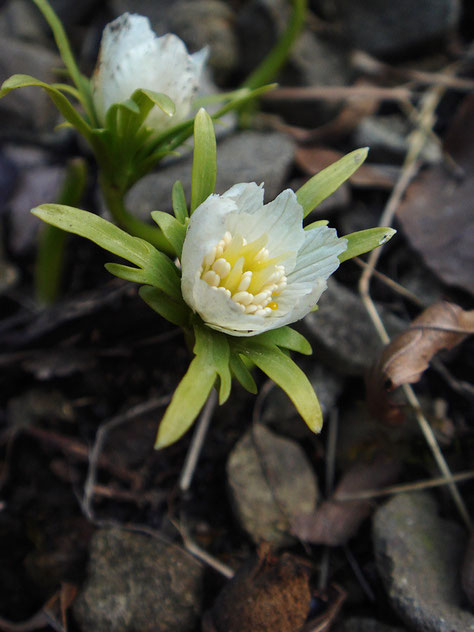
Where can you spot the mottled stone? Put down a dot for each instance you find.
(418, 556)
(341, 330)
(137, 583)
(243, 157)
(27, 108)
(270, 480)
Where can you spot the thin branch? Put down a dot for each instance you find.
(104, 429)
(410, 168)
(369, 494)
(197, 442)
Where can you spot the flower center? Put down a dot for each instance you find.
(245, 273)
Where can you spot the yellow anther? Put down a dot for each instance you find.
(272, 305)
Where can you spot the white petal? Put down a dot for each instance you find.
(206, 228)
(248, 196)
(132, 57)
(318, 257)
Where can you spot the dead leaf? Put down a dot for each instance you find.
(441, 326)
(314, 159)
(336, 521)
(404, 360)
(437, 215)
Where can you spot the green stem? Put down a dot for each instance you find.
(52, 240)
(114, 199)
(268, 68)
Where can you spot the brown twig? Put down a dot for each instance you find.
(409, 170)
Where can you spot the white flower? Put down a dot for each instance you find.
(132, 57)
(248, 268)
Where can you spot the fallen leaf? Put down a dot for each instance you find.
(314, 159)
(404, 360)
(437, 215)
(336, 521)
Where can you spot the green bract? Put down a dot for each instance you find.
(226, 349)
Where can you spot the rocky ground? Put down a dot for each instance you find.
(273, 532)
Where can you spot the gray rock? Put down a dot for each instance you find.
(388, 139)
(363, 624)
(36, 186)
(21, 19)
(270, 480)
(383, 27)
(418, 556)
(27, 108)
(137, 583)
(279, 410)
(202, 23)
(243, 157)
(342, 333)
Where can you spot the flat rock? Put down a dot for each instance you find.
(342, 333)
(36, 186)
(27, 108)
(243, 157)
(418, 556)
(270, 480)
(137, 583)
(383, 27)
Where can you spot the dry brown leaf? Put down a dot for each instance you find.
(441, 326)
(314, 159)
(404, 360)
(437, 215)
(336, 521)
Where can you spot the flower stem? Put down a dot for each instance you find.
(114, 199)
(52, 240)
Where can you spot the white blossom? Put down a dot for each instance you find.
(132, 57)
(249, 267)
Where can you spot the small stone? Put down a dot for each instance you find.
(202, 23)
(27, 108)
(383, 27)
(342, 331)
(270, 480)
(389, 139)
(244, 157)
(418, 556)
(36, 186)
(137, 583)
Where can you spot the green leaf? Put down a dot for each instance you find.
(146, 99)
(316, 224)
(203, 179)
(136, 275)
(187, 401)
(215, 347)
(320, 186)
(180, 207)
(60, 101)
(285, 337)
(242, 374)
(365, 240)
(62, 42)
(174, 311)
(283, 371)
(271, 64)
(172, 230)
(159, 269)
